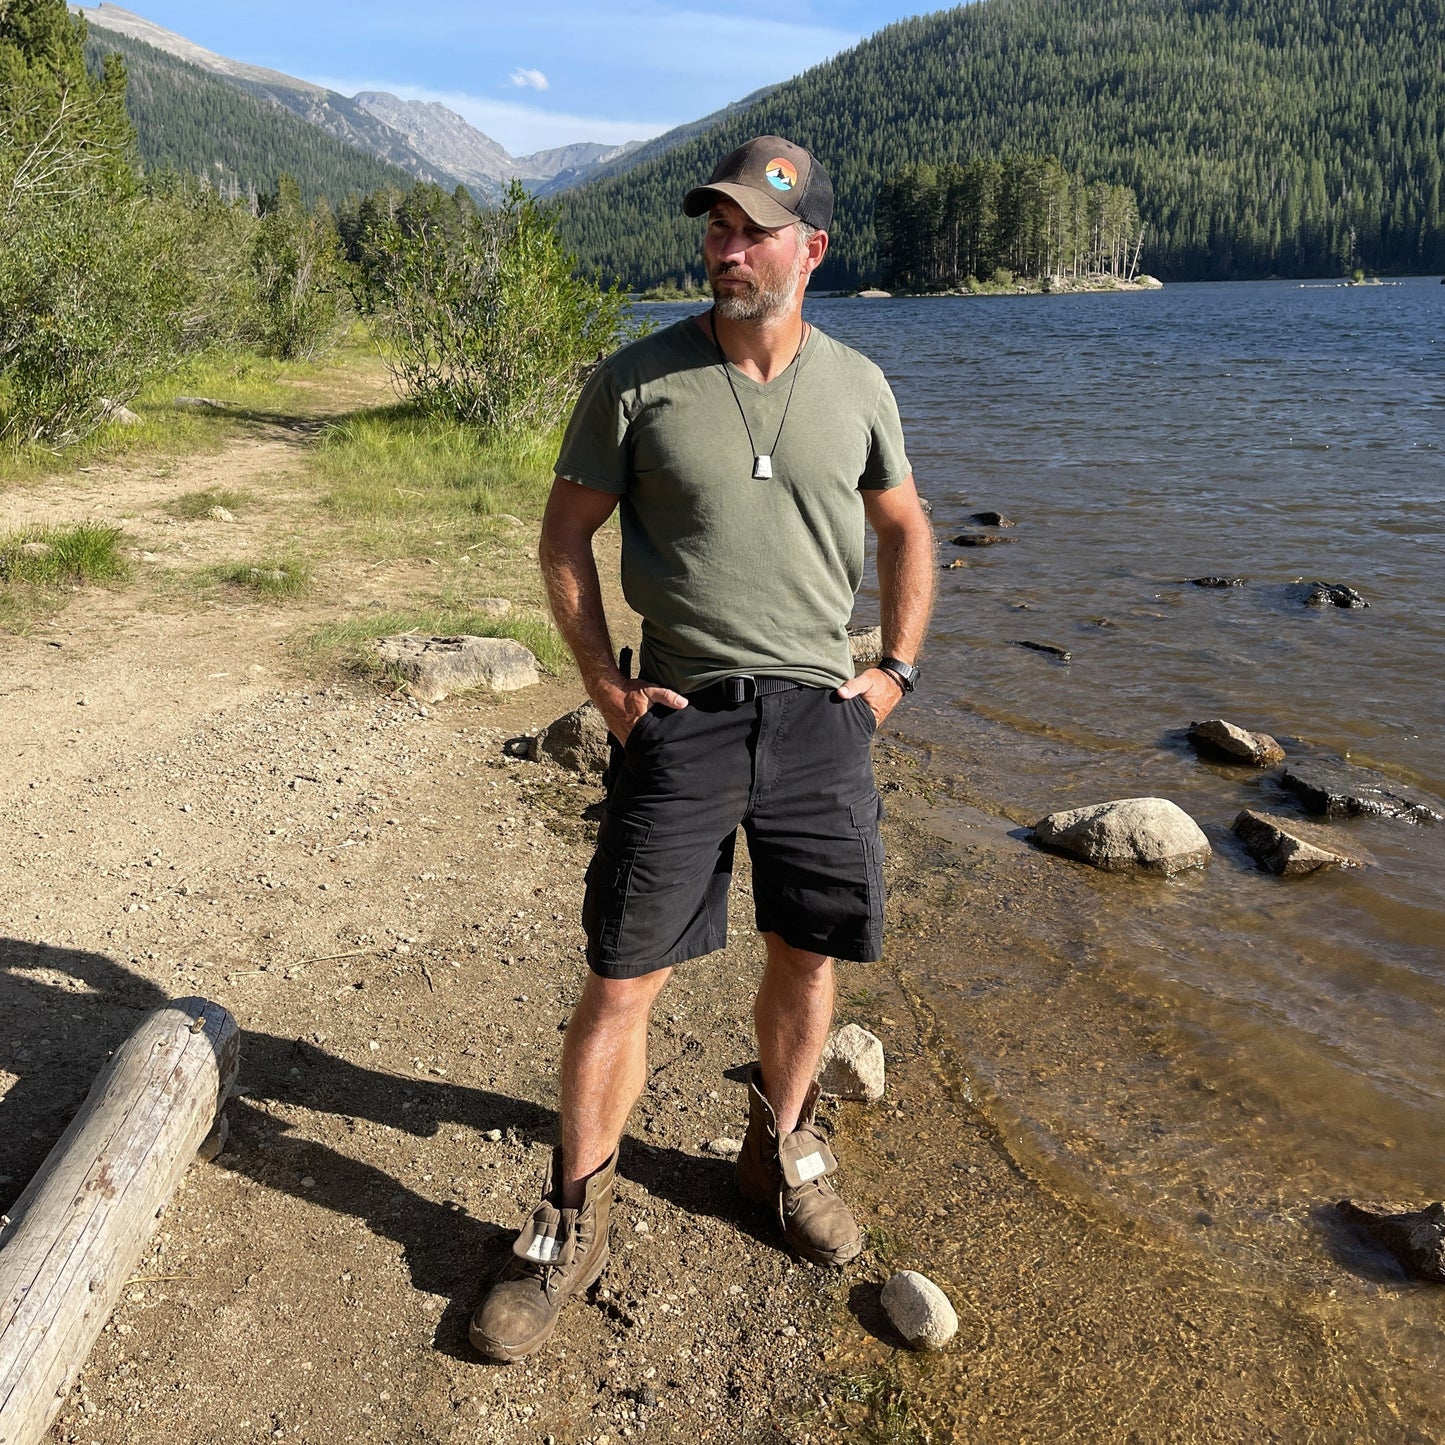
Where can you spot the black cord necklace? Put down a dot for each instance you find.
(762, 461)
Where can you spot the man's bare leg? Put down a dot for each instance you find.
(604, 1068)
(792, 1014)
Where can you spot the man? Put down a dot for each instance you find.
(745, 449)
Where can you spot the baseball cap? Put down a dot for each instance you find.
(774, 181)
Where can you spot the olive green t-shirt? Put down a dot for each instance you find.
(729, 574)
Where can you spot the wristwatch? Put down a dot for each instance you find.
(905, 672)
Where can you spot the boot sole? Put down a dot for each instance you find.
(512, 1354)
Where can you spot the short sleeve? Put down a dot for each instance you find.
(594, 448)
(887, 464)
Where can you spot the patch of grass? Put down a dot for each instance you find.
(392, 466)
(191, 506)
(53, 556)
(280, 577)
(347, 641)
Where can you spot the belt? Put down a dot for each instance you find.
(740, 688)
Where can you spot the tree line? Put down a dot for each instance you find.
(940, 227)
(111, 274)
(1260, 137)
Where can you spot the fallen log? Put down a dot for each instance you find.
(74, 1237)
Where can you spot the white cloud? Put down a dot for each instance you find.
(529, 80)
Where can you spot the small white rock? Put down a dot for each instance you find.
(919, 1310)
(724, 1148)
(852, 1065)
(221, 514)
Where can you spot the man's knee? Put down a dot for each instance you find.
(783, 958)
(619, 1000)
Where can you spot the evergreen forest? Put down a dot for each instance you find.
(190, 121)
(940, 227)
(1260, 137)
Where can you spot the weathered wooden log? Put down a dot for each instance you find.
(75, 1236)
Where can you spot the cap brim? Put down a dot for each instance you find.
(759, 208)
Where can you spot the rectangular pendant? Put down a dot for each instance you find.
(762, 469)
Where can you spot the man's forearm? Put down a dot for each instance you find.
(905, 590)
(575, 594)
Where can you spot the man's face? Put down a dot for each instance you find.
(754, 272)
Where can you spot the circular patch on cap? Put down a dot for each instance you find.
(782, 175)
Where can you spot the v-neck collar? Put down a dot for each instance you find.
(738, 375)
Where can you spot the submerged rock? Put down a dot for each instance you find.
(1416, 1237)
(919, 1310)
(577, 740)
(852, 1065)
(1220, 739)
(1291, 848)
(1338, 790)
(992, 519)
(980, 539)
(435, 667)
(1333, 594)
(1151, 834)
(1062, 653)
(1215, 581)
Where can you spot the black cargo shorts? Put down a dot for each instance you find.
(794, 769)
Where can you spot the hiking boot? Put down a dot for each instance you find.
(558, 1254)
(790, 1176)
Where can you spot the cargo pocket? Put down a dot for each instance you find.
(866, 815)
(609, 880)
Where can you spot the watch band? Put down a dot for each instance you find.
(905, 672)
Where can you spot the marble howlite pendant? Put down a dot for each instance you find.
(762, 469)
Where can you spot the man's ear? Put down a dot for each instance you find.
(817, 249)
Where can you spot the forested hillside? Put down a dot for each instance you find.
(189, 120)
(1262, 137)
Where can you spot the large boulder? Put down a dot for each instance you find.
(919, 1310)
(1216, 738)
(1334, 789)
(1152, 834)
(435, 667)
(577, 740)
(1416, 1237)
(1291, 848)
(852, 1065)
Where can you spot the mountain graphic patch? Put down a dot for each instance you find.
(782, 175)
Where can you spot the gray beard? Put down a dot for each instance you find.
(759, 304)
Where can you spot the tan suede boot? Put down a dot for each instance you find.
(558, 1254)
(790, 1176)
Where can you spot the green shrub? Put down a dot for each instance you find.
(302, 301)
(480, 315)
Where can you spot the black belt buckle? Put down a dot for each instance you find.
(741, 688)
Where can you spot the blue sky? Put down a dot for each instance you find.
(539, 74)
